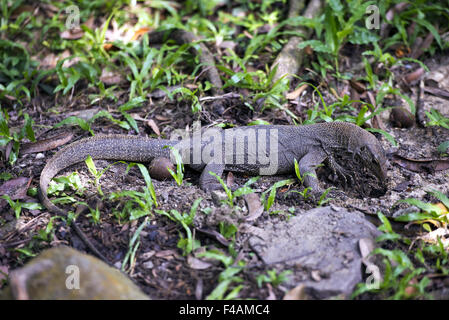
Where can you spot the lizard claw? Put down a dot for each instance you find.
(210, 186)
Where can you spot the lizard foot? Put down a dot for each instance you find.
(210, 186)
(342, 173)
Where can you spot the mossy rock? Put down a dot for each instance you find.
(64, 273)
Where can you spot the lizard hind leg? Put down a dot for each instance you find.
(207, 181)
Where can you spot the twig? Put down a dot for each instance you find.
(205, 56)
(229, 95)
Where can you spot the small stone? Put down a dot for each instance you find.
(218, 196)
(324, 240)
(158, 168)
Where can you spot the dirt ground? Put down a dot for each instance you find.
(160, 269)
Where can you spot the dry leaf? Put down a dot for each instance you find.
(315, 274)
(139, 33)
(15, 188)
(161, 118)
(414, 76)
(441, 93)
(296, 93)
(255, 208)
(215, 234)
(46, 144)
(109, 77)
(297, 293)
(72, 34)
(366, 245)
(357, 85)
(422, 165)
(433, 236)
(197, 264)
(271, 295)
(166, 254)
(153, 126)
(229, 179)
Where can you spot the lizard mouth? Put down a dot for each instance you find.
(357, 176)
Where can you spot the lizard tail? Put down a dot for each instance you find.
(110, 147)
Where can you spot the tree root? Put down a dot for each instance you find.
(290, 58)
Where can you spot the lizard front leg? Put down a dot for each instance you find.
(308, 165)
(207, 181)
(340, 172)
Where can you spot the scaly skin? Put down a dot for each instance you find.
(310, 145)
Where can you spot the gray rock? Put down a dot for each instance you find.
(323, 243)
(63, 273)
(218, 196)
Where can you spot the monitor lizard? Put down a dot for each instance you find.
(263, 149)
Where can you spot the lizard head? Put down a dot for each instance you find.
(372, 156)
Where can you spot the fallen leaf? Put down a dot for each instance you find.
(147, 255)
(422, 165)
(85, 114)
(357, 85)
(139, 33)
(402, 51)
(153, 126)
(297, 293)
(166, 254)
(8, 149)
(377, 123)
(401, 186)
(71, 62)
(315, 275)
(444, 209)
(21, 9)
(441, 93)
(110, 77)
(410, 290)
(271, 294)
(308, 50)
(161, 118)
(199, 289)
(366, 245)
(355, 96)
(296, 93)
(255, 208)
(247, 34)
(197, 264)
(52, 9)
(110, 47)
(227, 45)
(414, 76)
(16, 188)
(423, 47)
(46, 144)
(432, 237)
(229, 179)
(72, 34)
(215, 234)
